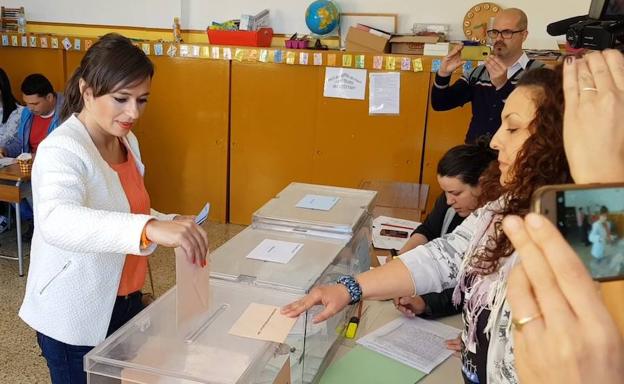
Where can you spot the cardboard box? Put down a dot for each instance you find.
(362, 41)
(411, 45)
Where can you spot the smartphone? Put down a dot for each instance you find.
(394, 233)
(591, 218)
(475, 52)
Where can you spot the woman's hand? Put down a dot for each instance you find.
(184, 218)
(593, 133)
(567, 335)
(180, 233)
(410, 306)
(333, 297)
(454, 345)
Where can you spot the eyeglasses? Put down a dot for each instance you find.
(506, 33)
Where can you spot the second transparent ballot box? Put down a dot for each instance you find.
(318, 260)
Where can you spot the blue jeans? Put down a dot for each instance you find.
(65, 361)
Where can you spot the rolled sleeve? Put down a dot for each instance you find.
(435, 266)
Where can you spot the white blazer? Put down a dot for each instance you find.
(83, 231)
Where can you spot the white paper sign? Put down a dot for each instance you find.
(437, 49)
(321, 203)
(276, 251)
(384, 93)
(345, 83)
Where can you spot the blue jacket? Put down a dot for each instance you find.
(23, 130)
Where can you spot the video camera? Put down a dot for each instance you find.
(602, 28)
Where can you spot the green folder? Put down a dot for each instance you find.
(363, 366)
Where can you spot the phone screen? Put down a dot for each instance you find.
(592, 221)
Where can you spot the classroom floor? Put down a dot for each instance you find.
(20, 361)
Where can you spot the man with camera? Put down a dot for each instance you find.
(488, 85)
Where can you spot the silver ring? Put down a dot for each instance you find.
(591, 89)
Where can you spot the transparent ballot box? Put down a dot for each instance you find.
(348, 219)
(294, 209)
(319, 260)
(150, 348)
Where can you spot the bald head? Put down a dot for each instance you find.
(514, 22)
(516, 16)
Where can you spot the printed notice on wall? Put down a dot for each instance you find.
(384, 93)
(345, 83)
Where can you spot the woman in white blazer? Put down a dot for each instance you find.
(85, 231)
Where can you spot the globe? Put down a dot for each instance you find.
(322, 17)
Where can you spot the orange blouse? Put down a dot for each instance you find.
(135, 267)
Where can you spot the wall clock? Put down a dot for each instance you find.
(477, 19)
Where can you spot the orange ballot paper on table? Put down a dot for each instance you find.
(263, 322)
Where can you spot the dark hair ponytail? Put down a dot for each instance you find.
(73, 98)
(468, 161)
(113, 62)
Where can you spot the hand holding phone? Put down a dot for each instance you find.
(551, 288)
(589, 217)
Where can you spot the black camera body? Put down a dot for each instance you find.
(602, 28)
(596, 34)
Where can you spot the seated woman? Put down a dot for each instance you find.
(477, 256)
(458, 173)
(10, 112)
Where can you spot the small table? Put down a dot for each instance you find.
(398, 199)
(12, 191)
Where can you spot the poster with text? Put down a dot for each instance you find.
(345, 83)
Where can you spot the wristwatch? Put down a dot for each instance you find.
(355, 291)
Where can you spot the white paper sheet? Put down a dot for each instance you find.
(437, 49)
(412, 341)
(275, 251)
(387, 242)
(203, 215)
(6, 161)
(345, 83)
(318, 202)
(384, 93)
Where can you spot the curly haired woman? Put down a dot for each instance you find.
(477, 257)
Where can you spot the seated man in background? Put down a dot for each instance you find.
(489, 84)
(40, 117)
